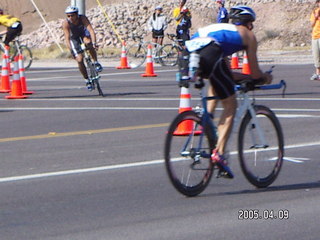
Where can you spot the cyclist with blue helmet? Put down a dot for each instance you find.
(212, 44)
(75, 27)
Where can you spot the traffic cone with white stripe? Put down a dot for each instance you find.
(22, 76)
(186, 127)
(5, 78)
(124, 59)
(16, 91)
(149, 67)
(245, 65)
(234, 61)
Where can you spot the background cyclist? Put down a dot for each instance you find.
(213, 43)
(13, 25)
(75, 27)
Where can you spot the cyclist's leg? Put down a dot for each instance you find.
(12, 32)
(77, 54)
(213, 66)
(93, 52)
(226, 122)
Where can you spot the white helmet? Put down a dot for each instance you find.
(158, 8)
(71, 9)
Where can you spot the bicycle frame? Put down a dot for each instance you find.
(246, 104)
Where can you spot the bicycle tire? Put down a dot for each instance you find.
(261, 165)
(94, 76)
(169, 55)
(189, 177)
(136, 55)
(27, 56)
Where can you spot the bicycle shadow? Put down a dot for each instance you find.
(289, 187)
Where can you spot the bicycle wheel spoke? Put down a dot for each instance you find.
(261, 158)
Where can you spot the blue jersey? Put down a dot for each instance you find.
(222, 15)
(224, 34)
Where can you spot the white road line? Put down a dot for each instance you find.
(153, 109)
(115, 167)
(48, 79)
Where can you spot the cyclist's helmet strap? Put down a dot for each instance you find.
(71, 9)
(241, 15)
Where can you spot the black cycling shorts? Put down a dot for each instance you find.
(76, 46)
(213, 67)
(12, 32)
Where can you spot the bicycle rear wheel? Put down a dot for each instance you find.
(136, 55)
(261, 162)
(27, 56)
(169, 55)
(188, 147)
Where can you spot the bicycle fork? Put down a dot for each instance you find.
(257, 136)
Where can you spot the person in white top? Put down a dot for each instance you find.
(157, 24)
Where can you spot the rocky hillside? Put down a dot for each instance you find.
(280, 24)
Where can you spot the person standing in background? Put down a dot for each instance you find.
(222, 16)
(157, 24)
(184, 25)
(315, 24)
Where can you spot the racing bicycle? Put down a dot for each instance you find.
(260, 142)
(166, 55)
(17, 48)
(92, 72)
(170, 51)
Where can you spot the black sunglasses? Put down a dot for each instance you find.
(70, 15)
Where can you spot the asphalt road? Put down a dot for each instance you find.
(78, 166)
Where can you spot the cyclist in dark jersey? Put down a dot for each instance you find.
(77, 27)
(13, 25)
(212, 44)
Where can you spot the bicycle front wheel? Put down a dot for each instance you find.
(188, 147)
(169, 55)
(136, 55)
(261, 157)
(27, 56)
(94, 76)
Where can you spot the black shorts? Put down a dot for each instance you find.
(76, 46)
(213, 67)
(12, 32)
(157, 33)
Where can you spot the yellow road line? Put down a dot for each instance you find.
(86, 132)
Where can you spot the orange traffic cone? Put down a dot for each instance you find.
(123, 60)
(22, 76)
(5, 79)
(185, 127)
(234, 61)
(245, 65)
(149, 67)
(16, 92)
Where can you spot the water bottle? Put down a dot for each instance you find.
(193, 64)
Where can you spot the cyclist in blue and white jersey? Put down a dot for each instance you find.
(213, 43)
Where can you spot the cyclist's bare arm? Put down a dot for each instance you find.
(251, 44)
(66, 31)
(89, 27)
